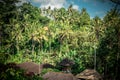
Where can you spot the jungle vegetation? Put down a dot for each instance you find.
(29, 33)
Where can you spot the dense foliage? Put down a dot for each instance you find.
(28, 33)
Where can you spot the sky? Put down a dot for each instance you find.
(93, 7)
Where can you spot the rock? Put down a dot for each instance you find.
(46, 65)
(89, 74)
(58, 76)
(32, 68)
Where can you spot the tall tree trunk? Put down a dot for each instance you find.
(33, 45)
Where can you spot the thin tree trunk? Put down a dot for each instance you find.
(95, 59)
(33, 46)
